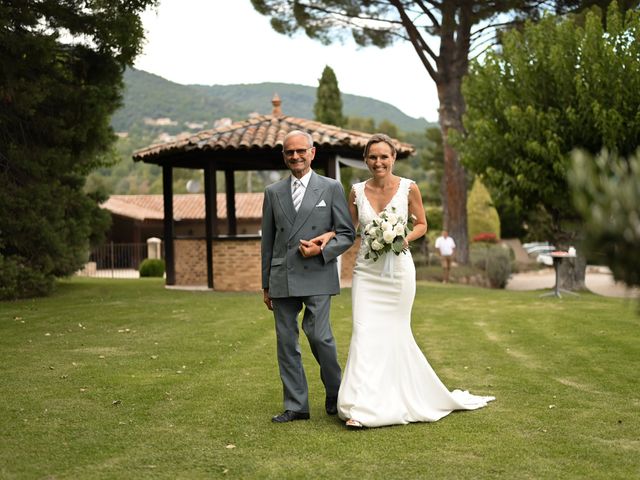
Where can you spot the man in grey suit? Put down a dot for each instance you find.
(299, 269)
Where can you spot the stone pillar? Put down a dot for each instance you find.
(154, 249)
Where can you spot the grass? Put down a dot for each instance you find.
(125, 379)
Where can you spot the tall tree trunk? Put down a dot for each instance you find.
(453, 64)
(572, 271)
(454, 179)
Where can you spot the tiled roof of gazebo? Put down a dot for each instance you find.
(185, 206)
(266, 131)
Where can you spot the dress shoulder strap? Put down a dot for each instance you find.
(358, 190)
(405, 185)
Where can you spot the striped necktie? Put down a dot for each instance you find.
(297, 194)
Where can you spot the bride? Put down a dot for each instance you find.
(387, 379)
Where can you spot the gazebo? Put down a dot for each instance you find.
(232, 260)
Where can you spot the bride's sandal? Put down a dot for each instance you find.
(351, 423)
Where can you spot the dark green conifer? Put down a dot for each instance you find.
(61, 67)
(328, 107)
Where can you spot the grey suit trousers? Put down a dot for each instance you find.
(316, 326)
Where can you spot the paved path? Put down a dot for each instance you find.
(598, 279)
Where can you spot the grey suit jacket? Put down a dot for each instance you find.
(285, 272)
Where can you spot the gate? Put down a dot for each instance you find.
(115, 260)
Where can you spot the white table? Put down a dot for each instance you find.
(557, 257)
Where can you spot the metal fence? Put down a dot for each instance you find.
(115, 260)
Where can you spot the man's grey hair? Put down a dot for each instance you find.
(294, 133)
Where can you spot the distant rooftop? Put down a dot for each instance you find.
(185, 206)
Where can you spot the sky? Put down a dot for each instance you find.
(226, 42)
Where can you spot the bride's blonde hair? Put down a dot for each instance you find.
(377, 138)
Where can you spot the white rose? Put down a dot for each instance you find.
(386, 226)
(399, 230)
(388, 236)
(376, 245)
(372, 231)
(392, 218)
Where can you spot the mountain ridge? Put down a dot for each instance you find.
(147, 95)
(155, 110)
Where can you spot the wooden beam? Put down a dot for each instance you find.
(332, 167)
(211, 216)
(169, 256)
(231, 202)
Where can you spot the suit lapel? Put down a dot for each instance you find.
(283, 194)
(309, 201)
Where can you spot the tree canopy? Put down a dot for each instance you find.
(61, 67)
(554, 87)
(463, 29)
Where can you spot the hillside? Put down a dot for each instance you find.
(151, 96)
(156, 110)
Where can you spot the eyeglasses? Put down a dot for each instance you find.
(299, 151)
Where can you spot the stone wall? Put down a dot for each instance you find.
(190, 262)
(236, 264)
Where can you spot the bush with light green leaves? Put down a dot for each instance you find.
(482, 216)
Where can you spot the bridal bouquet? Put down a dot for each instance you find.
(386, 233)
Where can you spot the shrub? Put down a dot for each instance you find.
(482, 215)
(152, 267)
(19, 280)
(498, 267)
(494, 260)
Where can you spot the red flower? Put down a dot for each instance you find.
(485, 237)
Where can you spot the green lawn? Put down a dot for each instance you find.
(125, 379)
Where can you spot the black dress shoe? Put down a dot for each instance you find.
(331, 405)
(289, 416)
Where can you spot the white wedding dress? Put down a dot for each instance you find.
(387, 380)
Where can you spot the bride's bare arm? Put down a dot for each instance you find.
(416, 209)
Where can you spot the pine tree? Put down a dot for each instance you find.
(328, 107)
(56, 99)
